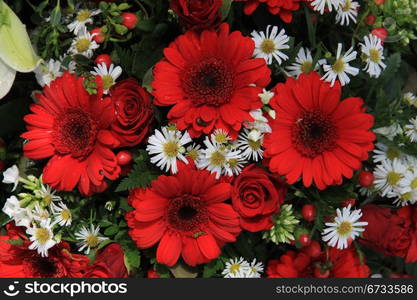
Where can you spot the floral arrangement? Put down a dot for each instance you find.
(217, 138)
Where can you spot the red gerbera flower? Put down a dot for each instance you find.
(185, 213)
(315, 135)
(71, 126)
(18, 261)
(212, 81)
(283, 8)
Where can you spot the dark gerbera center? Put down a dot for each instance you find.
(75, 132)
(42, 267)
(209, 82)
(186, 213)
(314, 133)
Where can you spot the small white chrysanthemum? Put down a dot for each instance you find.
(266, 96)
(388, 175)
(62, 214)
(250, 143)
(216, 158)
(21, 216)
(347, 11)
(260, 123)
(341, 67)
(193, 151)
(82, 18)
(48, 195)
(408, 187)
(11, 176)
(83, 44)
(108, 75)
(345, 227)
(268, 45)
(256, 268)
(42, 237)
(320, 5)
(235, 166)
(303, 63)
(411, 130)
(236, 268)
(167, 146)
(373, 55)
(90, 239)
(390, 132)
(220, 136)
(47, 72)
(383, 152)
(367, 191)
(410, 98)
(40, 214)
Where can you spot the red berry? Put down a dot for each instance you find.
(98, 36)
(370, 19)
(153, 274)
(380, 32)
(103, 58)
(124, 158)
(313, 250)
(366, 178)
(304, 239)
(379, 2)
(319, 273)
(348, 201)
(309, 212)
(129, 20)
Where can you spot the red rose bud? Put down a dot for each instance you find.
(98, 36)
(309, 212)
(133, 112)
(380, 32)
(152, 274)
(198, 14)
(366, 178)
(256, 195)
(124, 158)
(129, 20)
(103, 58)
(347, 202)
(370, 19)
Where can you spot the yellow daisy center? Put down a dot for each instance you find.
(413, 184)
(217, 159)
(344, 228)
(234, 268)
(66, 214)
(254, 145)
(392, 153)
(42, 235)
(374, 55)
(171, 149)
(347, 6)
(221, 138)
(193, 153)
(267, 46)
(83, 15)
(339, 66)
(306, 67)
(47, 199)
(393, 178)
(92, 241)
(107, 81)
(82, 45)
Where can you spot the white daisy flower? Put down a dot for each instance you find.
(193, 151)
(345, 227)
(341, 67)
(220, 136)
(21, 216)
(367, 191)
(346, 12)
(89, 238)
(216, 157)
(303, 63)
(256, 268)
(42, 237)
(47, 72)
(406, 199)
(410, 98)
(411, 130)
(390, 132)
(109, 75)
(40, 214)
(250, 143)
(47, 194)
(266, 96)
(62, 214)
(82, 18)
(260, 123)
(83, 44)
(388, 175)
(269, 44)
(236, 268)
(235, 166)
(11, 176)
(320, 5)
(373, 55)
(167, 146)
(383, 152)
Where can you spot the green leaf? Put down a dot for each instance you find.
(132, 256)
(139, 177)
(211, 269)
(225, 8)
(56, 15)
(14, 242)
(112, 230)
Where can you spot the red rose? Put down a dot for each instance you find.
(256, 195)
(346, 264)
(134, 112)
(390, 232)
(289, 265)
(198, 14)
(109, 263)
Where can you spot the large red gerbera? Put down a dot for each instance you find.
(185, 213)
(212, 81)
(72, 127)
(315, 135)
(283, 8)
(18, 261)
